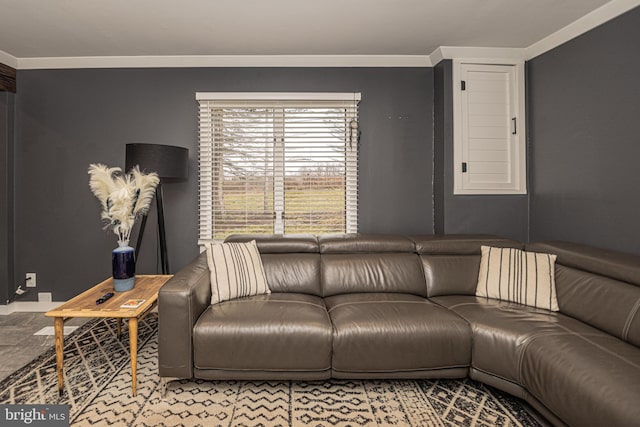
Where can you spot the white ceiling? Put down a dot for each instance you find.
(132, 28)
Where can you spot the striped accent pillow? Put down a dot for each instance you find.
(522, 277)
(236, 271)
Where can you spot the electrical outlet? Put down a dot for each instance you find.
(31, 280)
(44, 296)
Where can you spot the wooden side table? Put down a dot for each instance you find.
(84, 305)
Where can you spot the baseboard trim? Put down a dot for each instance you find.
(28, 306)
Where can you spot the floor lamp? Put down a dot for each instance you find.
(172, 165)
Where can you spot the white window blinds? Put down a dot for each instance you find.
(278, 163)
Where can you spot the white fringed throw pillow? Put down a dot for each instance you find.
(522, 277)
(236, 271)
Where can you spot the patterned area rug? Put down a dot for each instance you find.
(98, 390)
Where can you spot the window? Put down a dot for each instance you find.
(489, 128)
(278, 163)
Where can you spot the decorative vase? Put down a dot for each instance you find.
(124, 267)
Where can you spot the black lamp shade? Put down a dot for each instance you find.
(169, 162)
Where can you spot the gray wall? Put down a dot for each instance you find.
(584, 124)
(583, 104)
(462, 214)
(67, 119)
(442, 137)
(7, 101)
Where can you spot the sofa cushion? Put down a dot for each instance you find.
(586, 379)
(601, 288)
(513, 275)
(501, 331)
(450, 274)
(276, 332)
(295, 272)
(617, 265)
(377, 272)
(279, 243)
(605, 303)
(236, 271)
(380, 335)
(451, 262)
(291, 262)
(460, 244)
(364, 243)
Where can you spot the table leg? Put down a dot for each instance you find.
(133, 345)
(119, 327)
(58, 325)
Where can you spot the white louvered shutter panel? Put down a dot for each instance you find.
(489, 148)
(277, 163)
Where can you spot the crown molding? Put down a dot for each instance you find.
(588, 22)
(509, 54)
(443, 52)
(436, 56)
(225, 61)
(8, 59)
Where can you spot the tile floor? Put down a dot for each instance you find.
(18, 345)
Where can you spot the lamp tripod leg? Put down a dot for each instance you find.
(164, 259)
(140, 234)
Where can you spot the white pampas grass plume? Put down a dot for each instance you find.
(146, 186)
(123, 197)
(101, 182)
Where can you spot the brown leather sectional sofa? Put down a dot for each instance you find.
(357, 306)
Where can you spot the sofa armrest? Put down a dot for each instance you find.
(181, 301)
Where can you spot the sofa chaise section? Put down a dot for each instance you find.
(589, 378)
(589, 375)
(578, 366)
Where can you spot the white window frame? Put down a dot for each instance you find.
(518, 165)
(206, 157)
